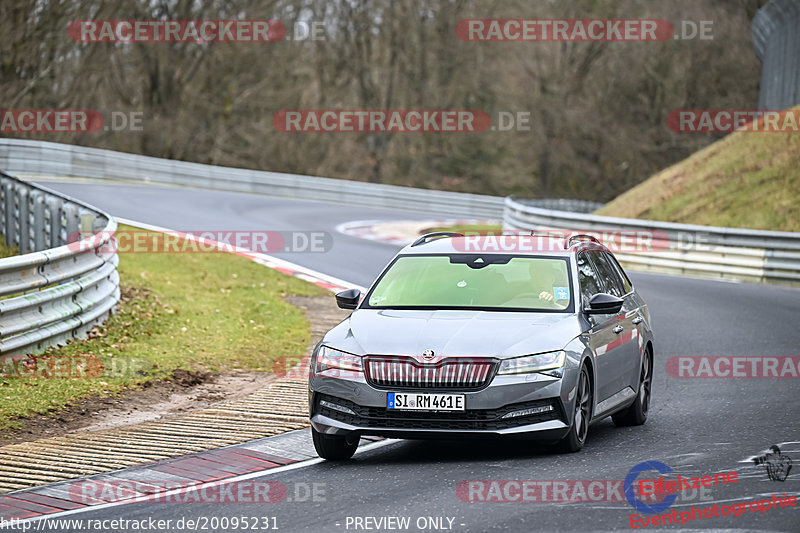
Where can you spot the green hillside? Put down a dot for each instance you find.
(747, 179)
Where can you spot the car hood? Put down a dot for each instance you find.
(452, 333)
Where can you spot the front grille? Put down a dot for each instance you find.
(474, 419)
(406, 373)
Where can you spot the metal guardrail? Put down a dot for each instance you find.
(37, 158)
(702, 251)
(63, 285)
(562, 204)
(723, 253)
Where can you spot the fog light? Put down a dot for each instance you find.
(530, 411)
(337, 407)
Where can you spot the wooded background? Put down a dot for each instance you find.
(598, 110)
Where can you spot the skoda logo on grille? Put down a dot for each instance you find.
(428, 355)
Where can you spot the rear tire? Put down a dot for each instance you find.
(334, 447)
(636, 413)
(576, 437)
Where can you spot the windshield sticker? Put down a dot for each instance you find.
(561, 293)
(375, 300)
(461, 283)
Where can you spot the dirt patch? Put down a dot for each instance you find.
(187, 391)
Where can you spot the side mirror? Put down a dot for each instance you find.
(348, 299)
(603, 303)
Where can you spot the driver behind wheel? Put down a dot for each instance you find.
(550, 283)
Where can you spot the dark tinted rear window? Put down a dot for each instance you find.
(608, 273)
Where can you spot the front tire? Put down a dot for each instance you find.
(334, 447)
(576, 437)
(636, 414)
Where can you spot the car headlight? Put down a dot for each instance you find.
(331, 358)
(533, 363)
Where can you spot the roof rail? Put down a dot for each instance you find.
(435, 235)
(581, 237)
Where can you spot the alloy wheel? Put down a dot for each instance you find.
(583, 406)
(646, 379)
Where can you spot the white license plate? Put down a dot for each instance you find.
(425, 401)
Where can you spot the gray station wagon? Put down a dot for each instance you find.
(508, 335)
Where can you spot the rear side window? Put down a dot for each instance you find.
(587, 279)
(608, 273)
(626, 283)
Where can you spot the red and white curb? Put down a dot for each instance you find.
(375, 230)
(325, 281)
(187, 479)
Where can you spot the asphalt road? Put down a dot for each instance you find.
(696, 426)
(350, 258)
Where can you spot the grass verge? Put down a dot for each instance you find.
(7, 251)
(201, 312)
(746, 180)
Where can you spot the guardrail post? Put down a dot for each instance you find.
(52, 221)
(21, 218)
(8, 187)
(36, 210)
(69, 223)
(87, 223)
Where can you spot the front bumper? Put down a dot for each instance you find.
(483, 416)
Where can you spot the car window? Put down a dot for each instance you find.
(608, 273)
(626, 282)
(473, 281)
(587, 279)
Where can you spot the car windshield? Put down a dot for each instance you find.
(468, 281)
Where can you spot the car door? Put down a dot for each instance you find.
(636, 310)
(601, 336)
(626, 342)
